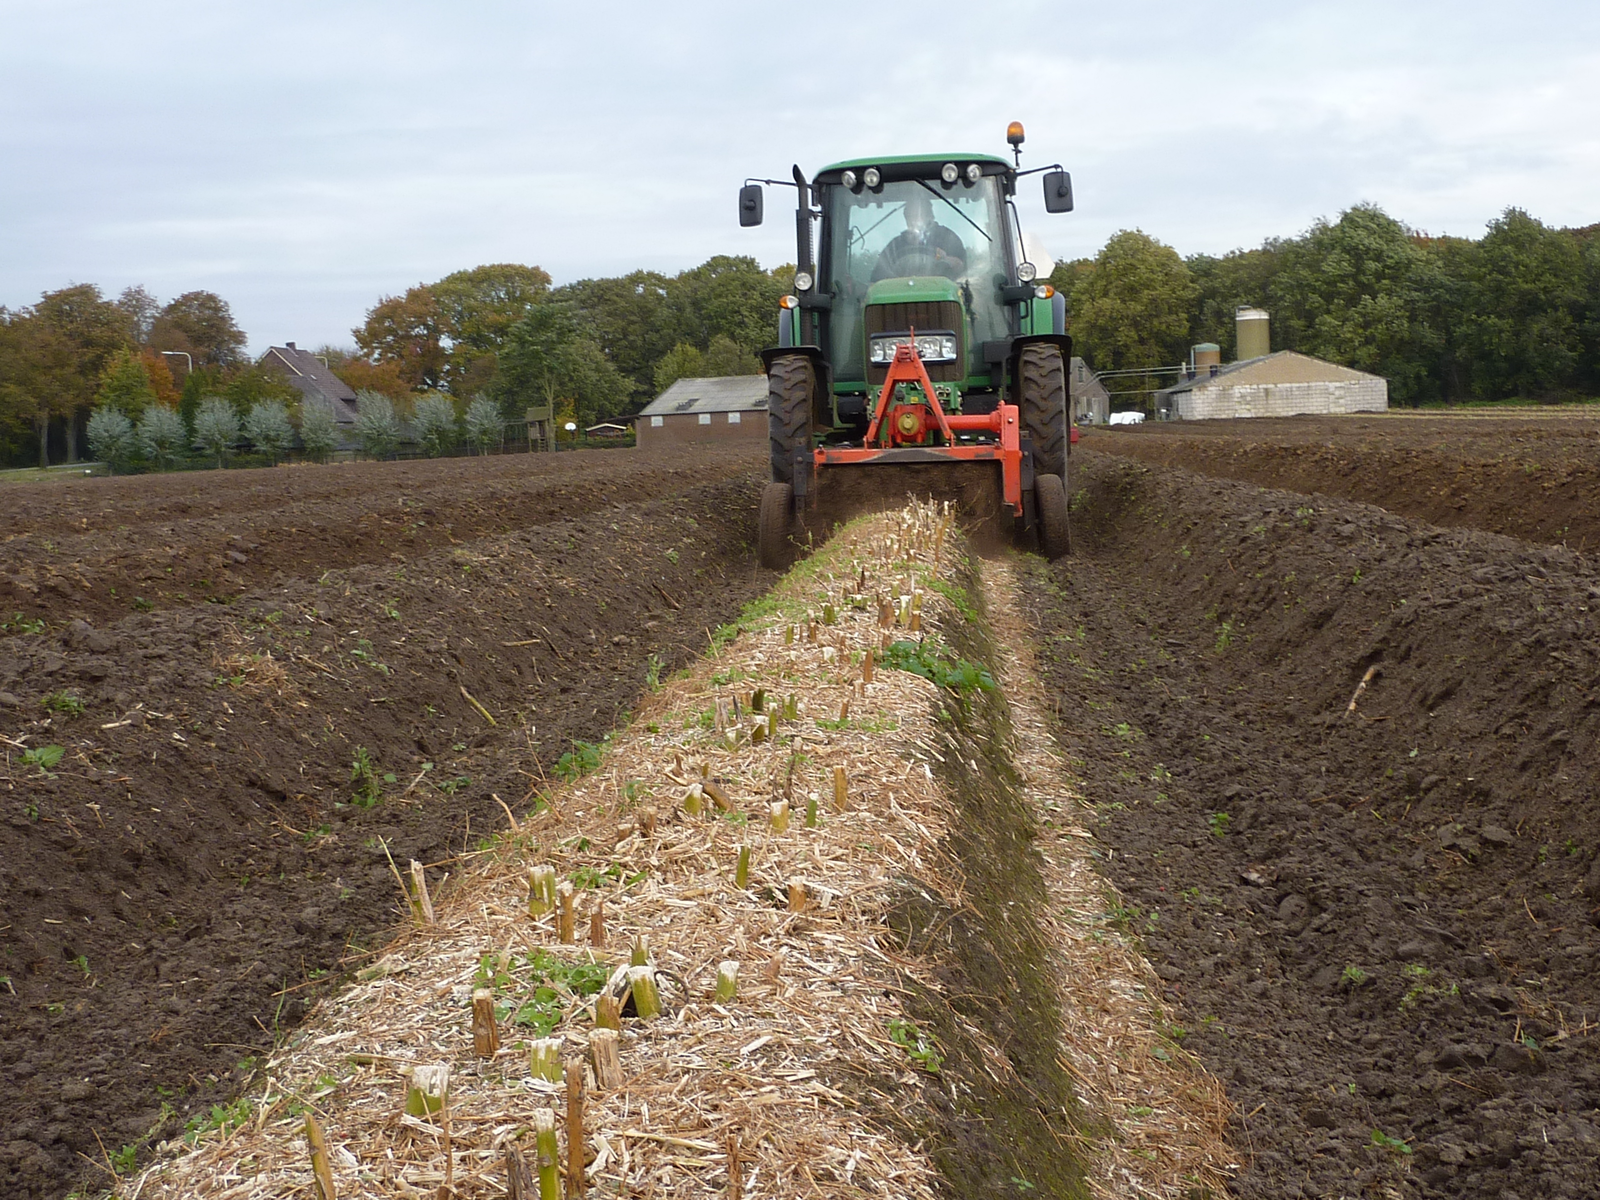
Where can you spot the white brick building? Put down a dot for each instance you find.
(1284, 384)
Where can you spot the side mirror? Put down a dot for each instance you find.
(751, 199)
(1058, 192)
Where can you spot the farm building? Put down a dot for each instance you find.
(1275, 385)
(312, 377)
(732, 408)
(1091, 403)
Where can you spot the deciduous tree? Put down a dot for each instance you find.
(408, 332)
(1132, 309)
(202, 324)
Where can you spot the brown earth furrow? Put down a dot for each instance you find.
(1536, 479)
(1378, 924)
(175, 890)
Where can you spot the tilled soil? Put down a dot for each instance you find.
(177, 888)
(1378, 924)
(1534, 476)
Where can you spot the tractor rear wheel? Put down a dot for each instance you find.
(790, 382)
(1055, 524)
(1043, 401)
(777, 506)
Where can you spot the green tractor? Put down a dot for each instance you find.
(919, 352)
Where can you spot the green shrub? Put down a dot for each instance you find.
(162, 435)
(111, 437)
(484, 426)
(268, 428)
(435, 424)
(216, 428)
(377, 427)
(319, 430)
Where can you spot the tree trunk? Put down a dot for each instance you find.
(44, 441)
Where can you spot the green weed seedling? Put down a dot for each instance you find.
(923, 658)
(581, 760)
(1219, 824)
(1394, 1144)
(42, 758)
(363, 653)
(923, 1051)
(1353, 976)
(554, 985)
(21, 624)
(368, 786)
(223, 1118)
(65, 703)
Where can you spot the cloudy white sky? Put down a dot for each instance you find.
(304, 159)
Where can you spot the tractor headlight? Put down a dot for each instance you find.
(871, 177)
(949, 173)
(974, 172)
(803, 281)
(931, 347)
(1026, 272)
(849, 180)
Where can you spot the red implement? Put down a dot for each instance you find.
(901, 432)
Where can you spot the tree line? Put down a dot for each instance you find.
(82, 372)
(1513, 314)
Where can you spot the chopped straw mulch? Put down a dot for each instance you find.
(761, 1094)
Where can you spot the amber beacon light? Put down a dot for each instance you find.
(1014, 133)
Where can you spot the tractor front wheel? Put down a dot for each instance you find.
(1055, 526)
(1043, 400)
(790, 382)
(777, 507)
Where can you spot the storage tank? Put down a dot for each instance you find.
(1204, 360)
(1251, 325)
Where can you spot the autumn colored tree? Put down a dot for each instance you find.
(406, 330)
(161, 381)
(91, 332)
(125, 386)
(364, 375)
(200, 323)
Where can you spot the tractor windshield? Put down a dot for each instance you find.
(914, 229)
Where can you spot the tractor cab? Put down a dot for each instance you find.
(918, 331)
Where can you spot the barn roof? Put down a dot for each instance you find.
(730, 393)
(312, 377)
(1286, 366)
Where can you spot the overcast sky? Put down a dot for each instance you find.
(305, 159)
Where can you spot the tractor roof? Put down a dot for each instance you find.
(934, 161)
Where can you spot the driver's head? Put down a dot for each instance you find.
(919, 213)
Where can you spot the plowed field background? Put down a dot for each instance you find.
(1379, 923)
(1533, 476)
(219, 649)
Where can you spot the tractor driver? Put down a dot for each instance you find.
(925, 248)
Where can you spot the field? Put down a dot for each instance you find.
(1374, 917)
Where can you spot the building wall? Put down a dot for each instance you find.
(680, 428)
(1224, 400)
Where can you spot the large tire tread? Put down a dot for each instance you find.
(790, 383)
(1055, 523)
(777, 507)
(1043, 401)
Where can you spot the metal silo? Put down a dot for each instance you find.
(1251, 325)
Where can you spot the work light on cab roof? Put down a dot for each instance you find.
(917, 350)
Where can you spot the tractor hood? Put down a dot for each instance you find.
(919, 289)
